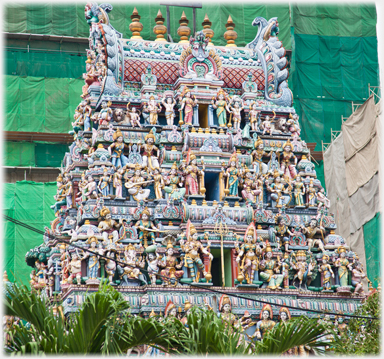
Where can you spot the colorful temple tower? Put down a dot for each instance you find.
(187, 167)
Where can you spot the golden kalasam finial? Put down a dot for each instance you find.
(183, 31)
(207, 28)
(135, 26)
(230, 35)
(160, 30)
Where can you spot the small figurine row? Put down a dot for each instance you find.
(151, 109)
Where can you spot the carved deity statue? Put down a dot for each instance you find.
(254, 116)
(187, 104)
(192, 248)
(116, 150)
(269, 269)
(311, 233)
(235, 110)
(248, 255)
(303, 269)
(265, 324)
(169, 103)
(194, 177)
(232, 172)
(146, 228)
(136, 184)
(108, 226)
(134, 116)
(327, 271)
(150, 160)
(225, 309)
(221, 106)
(342, 266)
(172, 269)
(174, 185)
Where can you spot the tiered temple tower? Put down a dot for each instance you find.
(187, 162)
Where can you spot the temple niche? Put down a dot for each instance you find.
(187, 170)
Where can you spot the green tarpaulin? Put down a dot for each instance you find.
(44, 64)
(30, 203)
(68, 20)
(38, 104)
(334, 20)
(372, 239)
(33, 154)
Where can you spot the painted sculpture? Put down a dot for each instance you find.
(137, 195)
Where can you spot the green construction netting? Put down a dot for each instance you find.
(34, 154)
(334, 20)
(69, 20)
(30, 203)
(19, 154)
(37, 104)
(372, 238)
(327, 74)
(44, 64)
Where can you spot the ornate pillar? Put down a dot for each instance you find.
(195, 120)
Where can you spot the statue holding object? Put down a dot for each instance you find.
(194, 176)
(134, 116)
(221, 106)
(118, 146)
(173, 270)
(192, 248)
(187, 104)
(232, 172)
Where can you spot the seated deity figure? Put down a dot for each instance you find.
(174, 185)
(251, 191)
(105, 114)
(311, 231)
(269, 269)
(358, 274)
(133, 265)
(172, 269)
(192, 248)
(109, 226)
(146, 228)
(136, 184)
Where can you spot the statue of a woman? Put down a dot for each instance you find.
(187, 104)
(327, 271)
(174, 186)
(225, 308)
(192, 179)
(266, 323)
(173, 269)
(221, 106)
(232, 173)
(342, 264)
(269, 270)
(288, 160)
(93, 261)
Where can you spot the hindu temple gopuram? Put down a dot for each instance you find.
(187, 165)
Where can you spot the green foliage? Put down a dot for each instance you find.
(362, 336)
(104, 325)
